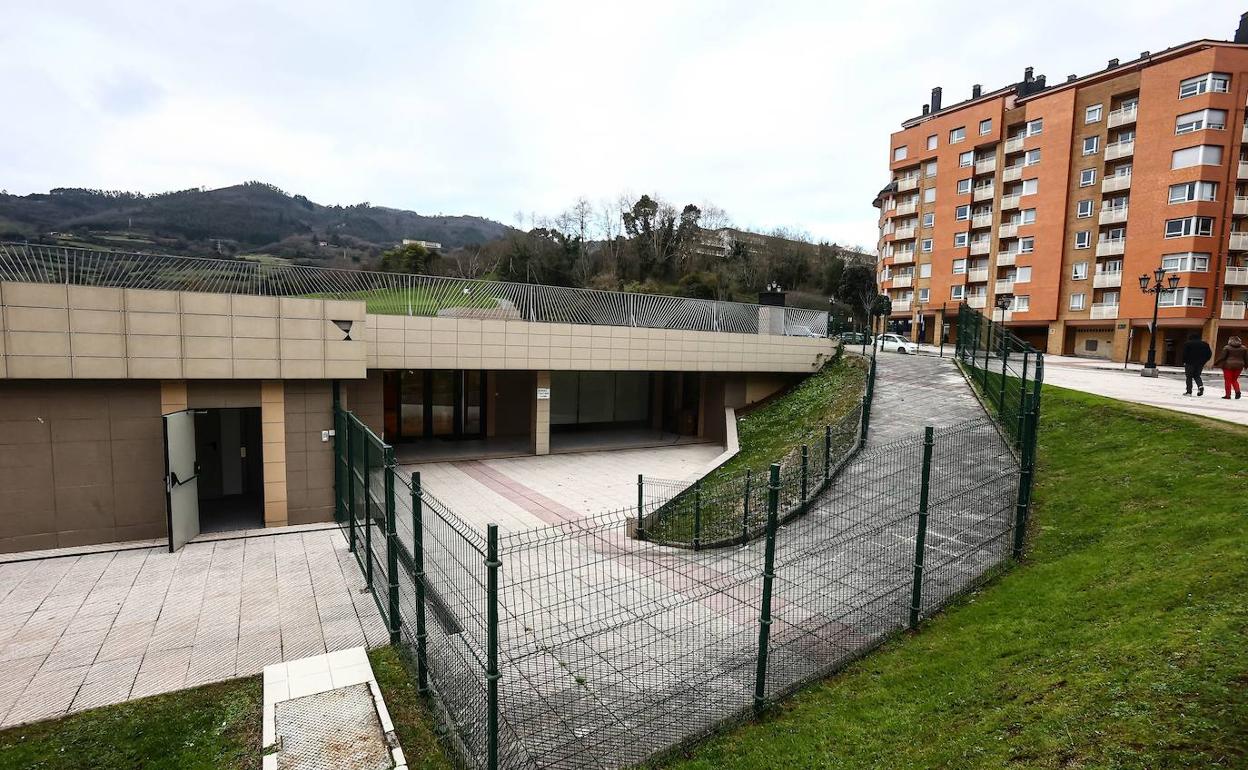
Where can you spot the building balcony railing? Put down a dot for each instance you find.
(1011, 202)
(901, 306)
(1239, 241)
(1004, 286)
(1241, 206)
(984, 193)
(977, 301)
(977, 276)
(1119, 150)
(1008, 231)
(907, 183)
(1116, 182)
(904, 233)
(903, 257)
(1006, 258)
(1236, 276)
(903, 281)
(1100, 310)
(1243, 169)
(906, 208)
(986, 166)
(980, 247)
(981, 220)
(1014, 144)
(1107, 280)
(1113, 215)
(1233, 311)
(1111, 248)
(1121, 116)
(1011, 173)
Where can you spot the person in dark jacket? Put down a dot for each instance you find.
(1196, 353)
(1233, 359)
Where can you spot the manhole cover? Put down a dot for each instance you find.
(333, 730)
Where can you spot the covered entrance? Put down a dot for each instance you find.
(434, 404)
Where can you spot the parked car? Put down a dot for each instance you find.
(854, 338)
(803, 331)
(896, 342)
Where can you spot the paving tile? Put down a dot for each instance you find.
(49, 694)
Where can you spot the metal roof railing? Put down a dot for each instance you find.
(397, 293)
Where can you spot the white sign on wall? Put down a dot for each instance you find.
(543, 394)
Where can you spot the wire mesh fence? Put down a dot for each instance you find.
(399, 293)
(1006, 370)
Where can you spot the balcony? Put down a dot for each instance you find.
(1100, 310)
(1004, 286)
(1121, 116)
(1014, 145)
(981, 247)
(1008, 231)
(903, 281)
(1239, 241)
(907, 183)
(1006, 258)
(1237, 276)
(1009, 202)
(1107, 280)
(1241, 206)
(977, 301)
(1111, 248)
(1233, 311)
(986, 166)
(1011, 173)
(977, 276)
(1113, 216)
(1119, 150)
(1243, 169)
(904, 233)
(906, 208)
(984, 193)
(981, 220)
(903, 257)
(1116, 182)
(901, 306)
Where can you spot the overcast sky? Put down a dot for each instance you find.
(778, 112)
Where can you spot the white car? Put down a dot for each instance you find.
(803, 331)
(896, 342)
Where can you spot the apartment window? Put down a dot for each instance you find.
(929, 219)
(959, 240)
(1034, 126)
(1029, 187)
(1021, 303)
(1115, 203)
(1193, 191)
(1031, 157)
(1091, 144)
(964, 186)
(899, 153)
(1077, 300)
(931, 142)
(926, 244)
(962, 213)
(1083, 209)
(1187, 262)
(985, 126)
(955, 292)
(1092, 114)
(1179, 228)
(959, 266)
(1214, 120)
(1110, 266)
(923, 294)
(1079, 271)
(1083, 239)
(929, 168)
(957, 134)
(925, 270)
(1026, 245)
(1087, 177)
(1022, 275)
(965, 159)
(929, 195)
(1215, 82)
(1026, 216)
(1187, 296)
(1200, 155)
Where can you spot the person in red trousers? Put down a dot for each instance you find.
(1233, 359)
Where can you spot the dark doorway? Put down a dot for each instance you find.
(682, 395)
(229, 454)
(437, 403)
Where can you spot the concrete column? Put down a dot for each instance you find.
(273, 435)
(1057, 338)
(1122, 333)
(541, 415)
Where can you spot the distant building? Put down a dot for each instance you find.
(719, 243)
(431, 245)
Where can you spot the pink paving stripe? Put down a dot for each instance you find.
(530, 500)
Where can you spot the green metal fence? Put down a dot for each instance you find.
(1005, 370)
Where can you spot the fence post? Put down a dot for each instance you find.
(1022, 401)
(827, 452)
(745, 509)
(350, 483)
(491, 643)
(1005, 357)
(368, 521)
(805, 470)
(641, 507)
(764, 618)
(1025, 471)
(392, 549)
(916, 594)
(987, 355)
(418, 558)
(697, 515)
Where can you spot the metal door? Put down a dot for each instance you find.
(181, 487)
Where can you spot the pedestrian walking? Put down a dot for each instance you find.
(1196, 353)
(1233, 359)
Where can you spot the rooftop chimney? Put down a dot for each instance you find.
(1241, 34)
(1071, 78)
(976, 91)
(1039, 83)
(926, 109)
(936, 99)
(1027, 75)
(1112, 63)
(1144, 54)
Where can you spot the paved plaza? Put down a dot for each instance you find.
(83, 631)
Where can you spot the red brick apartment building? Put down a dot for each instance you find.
(1062, 195)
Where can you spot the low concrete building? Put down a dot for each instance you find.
(148, 396)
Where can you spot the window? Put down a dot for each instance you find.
(985, 126)
(1026, 245)
(923, 294)
(959, 240)
(929, 194)
(1077, 300)
(1083, 239)
(955, 292)
(1029, 187)
(1187, 262)
(1022, 275)
(931, 142)
(1079, 271)
(1178, 228)
(1087, 177)
(1114, 234)
(1214, 120)
(1031, 157)
(1193, 191)
(929, 168)
(959, 266)
(1200, 155)
(899, 153)
(1110, 266)
(1091, 144)
(1216, 82)
(1021, 303)
(964, 186)
(929, 219)
(956, 135)
(927, 244)
(1027, 216)
(925, 270)
(962, 213)
(965, 159)
(1034, 127)
(1187, 296)
(1092, 114)
(1083, 209)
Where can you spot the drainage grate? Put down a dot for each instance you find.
(334, 730)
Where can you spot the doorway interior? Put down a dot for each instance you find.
(230, 463)
(446, 404)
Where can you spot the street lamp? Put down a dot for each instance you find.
(1159, 283)
(1003, 302)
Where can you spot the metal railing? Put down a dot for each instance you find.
(396, 293)
(1007, 371)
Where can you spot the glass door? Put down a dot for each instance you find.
(443, 390)
(412, 405)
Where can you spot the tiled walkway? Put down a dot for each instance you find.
(84, 631)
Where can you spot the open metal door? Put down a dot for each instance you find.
(181, 487)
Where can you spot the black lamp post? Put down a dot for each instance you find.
(1155, 285)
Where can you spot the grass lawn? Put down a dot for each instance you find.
(1120, 642)
(414, 300)
(214, 727)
